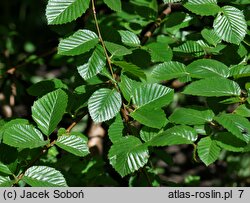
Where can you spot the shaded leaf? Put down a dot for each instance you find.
(116, 49)
(229, 142)
(160, 52)
(236, 124)
(208, 150)
(128, 155)
(95, 64)
(78, 43)
(129, 38)
(210, 36)
(115, 5)
(48, 111)
(115, 129)
(4, 169)
(23, 136)
(191, 116)
(169, 70)
(44, 176)
(154, 118)
(173, 136)
(130, 68)
(147, 133)
(207, 68)
(104, 104)
(5, 181)
(213, 87)
(203, 7)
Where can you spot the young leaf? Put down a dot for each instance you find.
(115, 129)
(160, 52)
(128, 155)
(5, 169)
(210, 36)
(229, 142)
(47, 111)
(154, 118)
(208, 150)
(236, 124)
(203, 7)
(116, 49)
(190, 47)
(207, 68)
(191, 116)
(169, 70)
(240, 71)
(230, 25)
(154, 94)
(73, 143)
(95, 64)
(127, 86)
(44, 176)
(129, 38)
(23, 136)
(5, 181)
(115, 5)
(213, 87)
(78, 43)
(148, 133)
(104, 104)
(130, 68)
(58, 12)
(173, 136)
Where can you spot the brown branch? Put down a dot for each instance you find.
(150, 29)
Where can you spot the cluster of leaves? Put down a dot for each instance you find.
(129, 86)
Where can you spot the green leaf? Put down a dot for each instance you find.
(236, 124)
(191, 116)
(207, 68)
(128, 155)
(171, 1)
(23, 136)
(58, 12)
(5, 181)
(243, 110)
(45, 86)
(5, 169)
(148, 133)
(154, 118)
(78, 43)
(129, 38)
(154, 95)
(240, 71)
(10, 123)
(169, 70)
(208, 150)
(115, 5)
(230, 25)
(73, 143)
(203, 7)
(95, 64)
(190, 47)
(116, 49)
(213, 87)
(160, 52)
(210, 36)
(173, 136)
(229, 142)
(130, 68)
(44, 176)
(115, 131)
(104, 104)
(48, 111)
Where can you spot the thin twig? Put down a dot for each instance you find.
(101, 40)
(149, 30)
